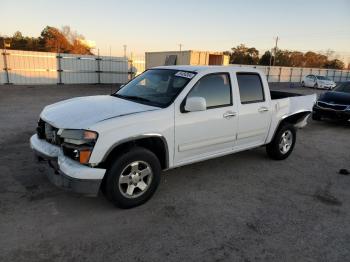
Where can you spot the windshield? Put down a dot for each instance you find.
(343, 87)
(322, 78)
(156, 87)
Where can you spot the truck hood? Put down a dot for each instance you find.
(82, 112)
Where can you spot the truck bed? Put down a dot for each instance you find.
(281, 94)
(285, 104)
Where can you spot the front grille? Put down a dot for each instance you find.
(332, 106)
(40, 130)
(48, 132)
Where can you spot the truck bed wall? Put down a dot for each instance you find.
(284, 107)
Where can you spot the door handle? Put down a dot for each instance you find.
(229, 114)
(263, 109)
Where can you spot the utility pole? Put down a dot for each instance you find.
(274, 59)
(180, 45)
(271, 51)
(124, 46)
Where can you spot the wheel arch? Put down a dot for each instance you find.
(156, 143)
(298, 119)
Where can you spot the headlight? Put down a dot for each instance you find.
(78, 144)
(76, 136)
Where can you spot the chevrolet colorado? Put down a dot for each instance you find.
(164, 118)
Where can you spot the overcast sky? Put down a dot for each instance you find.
(218, 25)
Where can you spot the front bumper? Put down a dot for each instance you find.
(331, 113)
(69, 174)
(329, 87)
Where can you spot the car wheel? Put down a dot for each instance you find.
(302, 84)
(133, 178)
(316, 86)
(283, 142)
(316, 117)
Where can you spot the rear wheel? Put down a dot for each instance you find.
(283, 142)
(133, 178)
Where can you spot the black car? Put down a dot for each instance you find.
(334, 104)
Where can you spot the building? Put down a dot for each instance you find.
(189, 57)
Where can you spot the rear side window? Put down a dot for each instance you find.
(215, 88)
(250, 88)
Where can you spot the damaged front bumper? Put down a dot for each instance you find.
(69, 174)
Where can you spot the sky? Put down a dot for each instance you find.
(213, 25)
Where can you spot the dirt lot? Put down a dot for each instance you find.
(242, 207)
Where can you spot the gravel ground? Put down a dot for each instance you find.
(241, 207)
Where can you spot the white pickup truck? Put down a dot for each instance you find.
(165, 118)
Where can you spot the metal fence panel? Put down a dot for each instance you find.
(31, 67)
(296, 74)
(25, 67)
(2, 71)
(78, 69)
(114, 69)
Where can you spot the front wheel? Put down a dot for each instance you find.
(316, 86)
(133, 178)
(283, 142)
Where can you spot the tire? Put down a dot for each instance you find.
(316, 86)
(126, 185)
(316, 117)
(302, 84)
(274, 150)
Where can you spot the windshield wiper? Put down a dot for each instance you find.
(137, 98)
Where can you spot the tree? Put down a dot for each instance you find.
(296, 59)
(266, 58)
(335, 64)
(312, 59)
(63, 41)
(54, 41)
(282, 58)
(244, 55)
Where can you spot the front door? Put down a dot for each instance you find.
(208, 133)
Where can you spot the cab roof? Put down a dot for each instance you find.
(199, 69)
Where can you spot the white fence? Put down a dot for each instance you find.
(296, 74)
(24, 67)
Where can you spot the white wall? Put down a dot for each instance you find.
(295, 74)
(42, 68)
(26, 67)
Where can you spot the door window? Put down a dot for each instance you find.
(250, 88)
(215, 88)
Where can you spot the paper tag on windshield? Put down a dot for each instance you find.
(185, 74)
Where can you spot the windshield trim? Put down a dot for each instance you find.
(153, 103)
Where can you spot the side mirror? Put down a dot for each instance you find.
(194, 104)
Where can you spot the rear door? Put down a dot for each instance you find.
(254, 111)
(208, 133)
